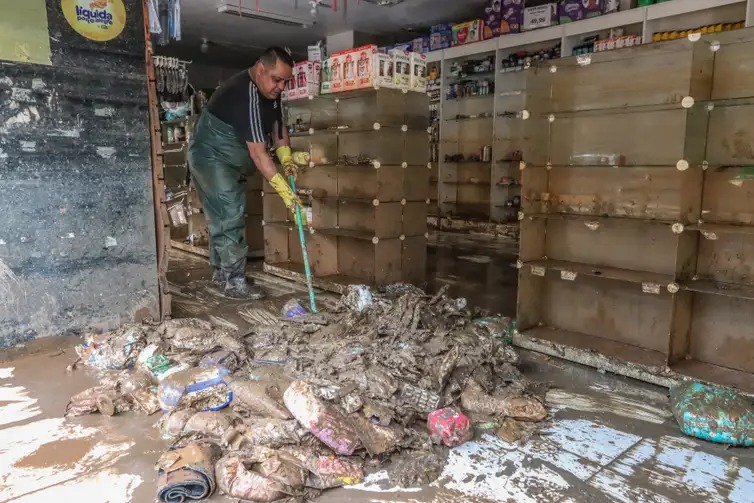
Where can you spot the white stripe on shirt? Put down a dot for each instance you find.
(255, 118)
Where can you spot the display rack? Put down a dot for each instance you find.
(486, 204)
(366, 190)
(637, 218)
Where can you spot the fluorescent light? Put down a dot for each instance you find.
(261, 15)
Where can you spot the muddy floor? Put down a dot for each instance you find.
(610, 438)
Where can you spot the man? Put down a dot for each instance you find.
(231, 138)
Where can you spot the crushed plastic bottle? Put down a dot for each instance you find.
(199, 388)
(293, 309)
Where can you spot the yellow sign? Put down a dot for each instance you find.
(99, 20)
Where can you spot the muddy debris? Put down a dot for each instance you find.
(417, 468)
(303, 402)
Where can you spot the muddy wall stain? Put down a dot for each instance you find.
(75, 176)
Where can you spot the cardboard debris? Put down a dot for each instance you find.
(376, 374)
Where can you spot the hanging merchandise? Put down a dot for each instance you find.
(169, 14)
(154, 17)
(176, 18)
(171, 77)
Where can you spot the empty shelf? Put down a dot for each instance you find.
(593, 344)
(715, 228)
(569, 269)
(712, 287)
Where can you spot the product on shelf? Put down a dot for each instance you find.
(402, 68)
(468, 32)
(608, 44)
(540, 16)
(576, 10)
(472, 66)
(304, 82)
(384, 70)
(712, 28)
(420, 45)
(441, 36)
(521, 59)
(418, 78)
(502, 16)
(365, 67)
(470, 88)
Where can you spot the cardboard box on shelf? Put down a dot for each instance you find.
(420, 45)
(332, 75)
(503, 16)
(540, 16)
(384, 69)
(418, 79)
(304, 82)
(357, 67)
(576, 10)
(440, 36)
(468, 32)
(401, 68)
(316, 54)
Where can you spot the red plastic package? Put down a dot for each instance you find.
(450, 427)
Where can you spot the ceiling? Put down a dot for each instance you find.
(229, 32)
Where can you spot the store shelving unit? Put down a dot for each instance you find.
(367, 190)
(491, 205)
(637, 218)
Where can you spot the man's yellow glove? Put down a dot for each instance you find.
(292, 160)
(284, 190)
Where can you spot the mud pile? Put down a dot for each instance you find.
(307, 402)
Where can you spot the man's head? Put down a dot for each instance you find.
(271, 71)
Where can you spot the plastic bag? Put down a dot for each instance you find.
(115, 350)
(524, 408)
(358, 297)
(325, 422)
(171, 424)
(199, 388)
(187, 333)
(712, 413)
(213, 423)
(237, 478)
(220, 358)
(273, 433)
(376, 439)
(293, 309)
(450, 427)
(260, 397)
(85, 402)
(326, 469)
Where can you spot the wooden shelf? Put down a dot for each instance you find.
(715, 374)
(337, 283)
(613, 273)
(467, 119)
(716, 228)
(736, 290)
(280, 225)
(599, 218)
(606, 347)
(466, 98)
(349, 233)
(469, 76)
(466, 161)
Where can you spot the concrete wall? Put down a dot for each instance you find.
(77, 238)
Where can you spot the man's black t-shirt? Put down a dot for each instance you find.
(239, 103)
